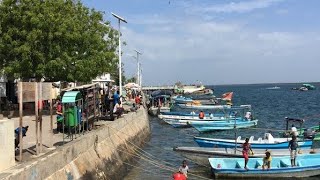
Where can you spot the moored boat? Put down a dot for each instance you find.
(199, 106)
(268, 142)
(273, 88)
(307, 166)
(187, 122)
(206, 126)
(200, 155)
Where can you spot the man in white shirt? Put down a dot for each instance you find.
(248, 115)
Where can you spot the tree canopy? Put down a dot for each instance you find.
(55, 40)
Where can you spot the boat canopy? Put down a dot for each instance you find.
(161, 92)
(309, 86)
(294, 120)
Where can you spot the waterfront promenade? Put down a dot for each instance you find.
(96, 146)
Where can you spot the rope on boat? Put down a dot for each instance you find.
(155, 162)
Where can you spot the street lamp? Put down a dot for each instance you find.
(140, 76)
(120, 70)
(138, 66)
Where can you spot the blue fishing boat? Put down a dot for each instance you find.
(199, 106)
(195, 116)
(206, 126)
(182, 100)
(200, 155)
(307, 166)
(268, 142)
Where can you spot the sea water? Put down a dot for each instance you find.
(270, 106)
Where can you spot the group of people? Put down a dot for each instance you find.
(293, 148)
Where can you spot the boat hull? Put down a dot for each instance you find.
(307, 165)
(207, 142)
(188, 106)
(186, 122)
(200, 155)
(222, 125)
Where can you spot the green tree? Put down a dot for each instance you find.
(55, 40)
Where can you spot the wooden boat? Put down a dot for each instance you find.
(206, 126)
(190, 116)
(187, 100)
(306, 133)
(199, 106)
(177, 123)
(307, 166)
(159, 104)
(154, 111)
(268, 142)
(182, 100)
(200, 155)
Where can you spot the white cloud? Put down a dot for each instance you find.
(238, 7)
(219, 52)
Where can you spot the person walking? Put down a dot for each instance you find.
(245, 152)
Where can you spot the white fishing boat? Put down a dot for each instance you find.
(273, 88)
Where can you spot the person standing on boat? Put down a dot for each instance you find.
(245, 152)
(293, 145)
(294, 131)
(267, 161)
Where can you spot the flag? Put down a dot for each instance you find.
(227, 96)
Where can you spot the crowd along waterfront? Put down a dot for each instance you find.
(271, 106)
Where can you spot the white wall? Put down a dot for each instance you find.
(6, 144)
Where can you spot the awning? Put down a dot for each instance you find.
(71, 97)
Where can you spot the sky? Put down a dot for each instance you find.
(218, 41)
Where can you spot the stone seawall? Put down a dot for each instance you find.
(100, 154)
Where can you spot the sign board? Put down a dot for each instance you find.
(28, 91)
(46, 90)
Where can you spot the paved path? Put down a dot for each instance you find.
(48, 138)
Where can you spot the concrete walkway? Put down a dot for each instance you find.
(49, 140)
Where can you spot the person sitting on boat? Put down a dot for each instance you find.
(193, 113)
(184, 168)
(201, 115)
(294, 131)
(293, 145)
(245, 152)
(267, 161)
(248, 115)
(309, 134)
(211, 115)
